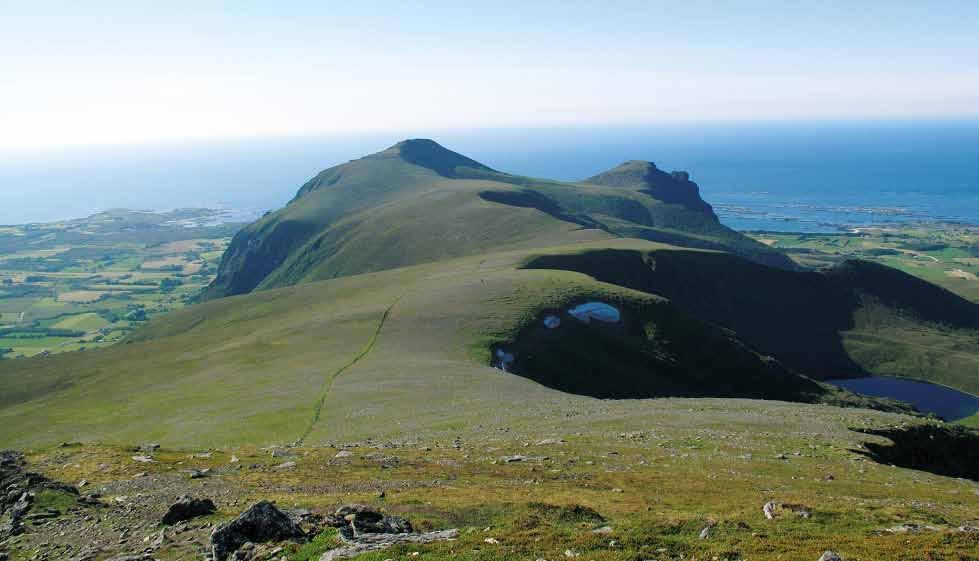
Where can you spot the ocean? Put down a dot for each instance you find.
(810, 177)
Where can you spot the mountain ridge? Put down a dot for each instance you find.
(341, 222)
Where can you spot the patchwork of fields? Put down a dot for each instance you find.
(943, 254)
(87, 283)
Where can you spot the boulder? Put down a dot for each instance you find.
(261, 523)
(186, 508)
(830, 556)
(362, 519)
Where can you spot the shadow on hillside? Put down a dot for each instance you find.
(951, 450)
(528, 198)
(654, 350)
(796, 317)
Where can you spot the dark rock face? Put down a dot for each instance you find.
(186, 508)
(261, 523)
(362, 519)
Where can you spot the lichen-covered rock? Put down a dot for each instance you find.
(261, 523)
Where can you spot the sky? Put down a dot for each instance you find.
(129, 72)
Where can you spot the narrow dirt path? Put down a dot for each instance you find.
(328, 382)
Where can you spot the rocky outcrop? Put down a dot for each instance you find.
(18, 488)
(261, 523)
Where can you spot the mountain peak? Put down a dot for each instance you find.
(429, 154)
(419, 144)
(672, 188)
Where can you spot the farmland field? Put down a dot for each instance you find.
(941, 253)
(87, 283)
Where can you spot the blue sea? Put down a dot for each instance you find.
(812, 177)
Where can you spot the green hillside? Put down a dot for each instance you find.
(417, 202)
(346, 357)
(401, 277)
(522, 359)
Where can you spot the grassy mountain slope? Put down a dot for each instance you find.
(348, 357)
(253, 368)
(417, 202)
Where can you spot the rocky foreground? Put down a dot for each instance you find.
(709, 491)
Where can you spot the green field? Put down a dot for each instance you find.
(944, 254)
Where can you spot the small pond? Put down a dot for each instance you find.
(947, 403)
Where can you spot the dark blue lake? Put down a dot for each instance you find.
(945, 402)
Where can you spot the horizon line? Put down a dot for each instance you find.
(404, 133)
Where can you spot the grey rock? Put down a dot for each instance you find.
(769, 509)
(376, 542)
(261, 523)
(830, 556)
(911, 529)
(773, 509)
(186, 508)
(362, 519)
(23, 504)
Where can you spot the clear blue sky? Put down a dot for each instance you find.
(132, 71)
